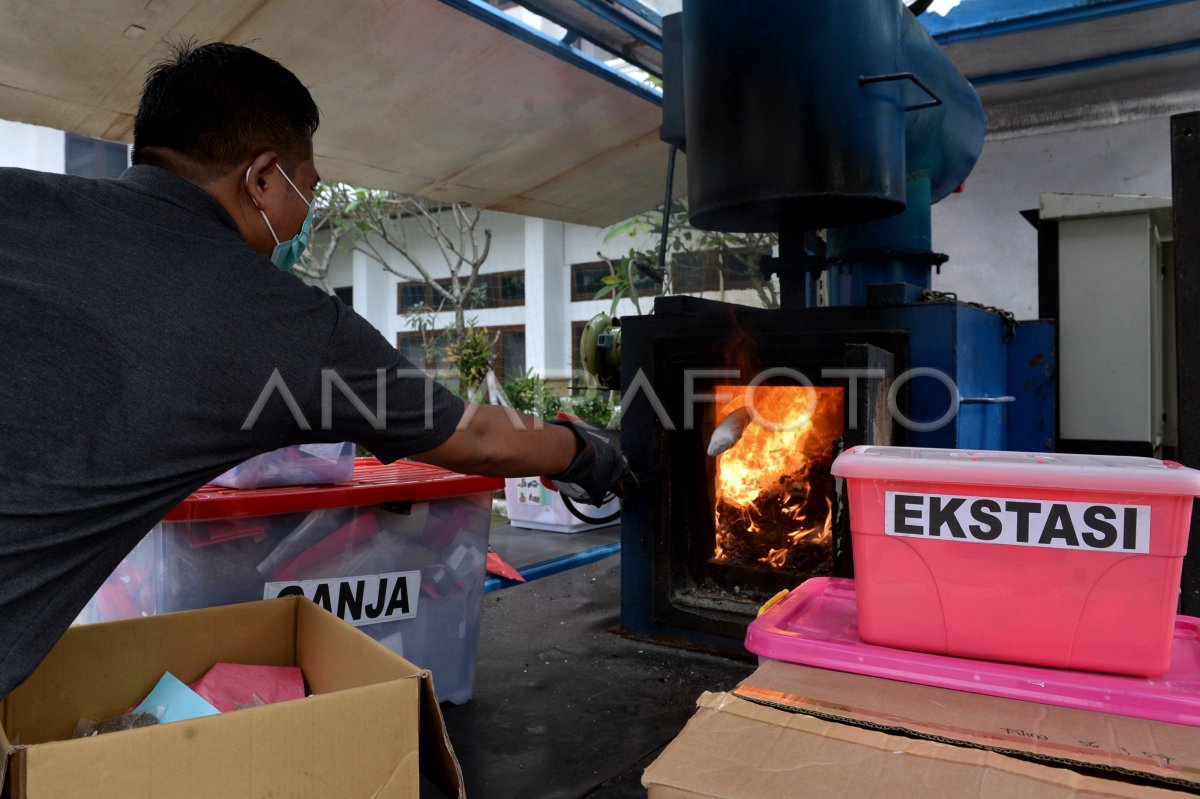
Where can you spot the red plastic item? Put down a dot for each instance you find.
(357, 530)
(374, 484)
(500, 567)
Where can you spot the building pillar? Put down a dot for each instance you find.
(374, 295)
(547, 326)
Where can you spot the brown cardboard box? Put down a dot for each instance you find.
(370, 728)
(790, 730)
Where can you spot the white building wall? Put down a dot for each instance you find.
(375, 289)
(32, 147)
(544, 249)
(993, 251)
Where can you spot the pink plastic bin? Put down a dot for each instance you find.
(1070, 561)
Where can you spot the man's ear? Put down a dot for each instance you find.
(255, 182)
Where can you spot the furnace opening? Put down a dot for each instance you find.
(771, 488)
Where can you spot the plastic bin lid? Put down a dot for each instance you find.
(1026, 469)
(374, 483)
(817, 625)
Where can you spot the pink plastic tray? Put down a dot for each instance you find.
(815, 625)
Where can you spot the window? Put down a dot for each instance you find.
(346, 295)
(94, 158)
(703, 271)
(497, 290)
(509, 350)
(510, 288)
(412, 347)
(510, 360)
(588, 278)
(410, 294)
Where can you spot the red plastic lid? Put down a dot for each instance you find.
(374, 483)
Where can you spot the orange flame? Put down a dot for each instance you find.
(772, 445)
(791, 428)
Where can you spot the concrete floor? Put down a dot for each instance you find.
(564, 706)
(523, 548)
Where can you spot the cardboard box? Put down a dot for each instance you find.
(790, 730)
(371, 727)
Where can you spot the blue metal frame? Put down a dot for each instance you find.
(643, 11)
(1086, 63)
(554, 566)
(548, 44)
(980, 19)
(608, 14)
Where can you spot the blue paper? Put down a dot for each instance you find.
(171, 700)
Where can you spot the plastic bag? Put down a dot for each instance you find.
(306, 464)
(128, 721)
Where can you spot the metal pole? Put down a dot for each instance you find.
(666, 220)
(1185, 191)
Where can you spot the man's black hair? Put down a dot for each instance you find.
(219, 105)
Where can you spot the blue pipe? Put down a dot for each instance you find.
(810, 115)
(892, 250)
(554, 566)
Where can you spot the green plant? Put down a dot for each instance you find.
(530, 394)
(423, 319)
(595, 407)
(619, 284)
(471, 355)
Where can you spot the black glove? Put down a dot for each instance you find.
(598, 469)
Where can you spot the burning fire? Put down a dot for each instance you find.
(773, 485)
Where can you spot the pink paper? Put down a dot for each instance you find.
(233, 686)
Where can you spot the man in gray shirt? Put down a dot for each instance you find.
(143, 318)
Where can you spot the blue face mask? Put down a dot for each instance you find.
(287, 253)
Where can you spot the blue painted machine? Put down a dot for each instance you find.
(841, 116)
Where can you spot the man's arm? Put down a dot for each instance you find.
(500, 442)
(415, 418)
(503, 443)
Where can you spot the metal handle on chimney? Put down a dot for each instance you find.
(985, 400)
(935, 101)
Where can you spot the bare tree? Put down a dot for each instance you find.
(379, 223)
(390, 223)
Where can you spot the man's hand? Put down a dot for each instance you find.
(598, 469)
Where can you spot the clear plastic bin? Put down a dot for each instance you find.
(1070, 561)
(399, 553)
(306, 464)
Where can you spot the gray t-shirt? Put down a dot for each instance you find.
(138, 331)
